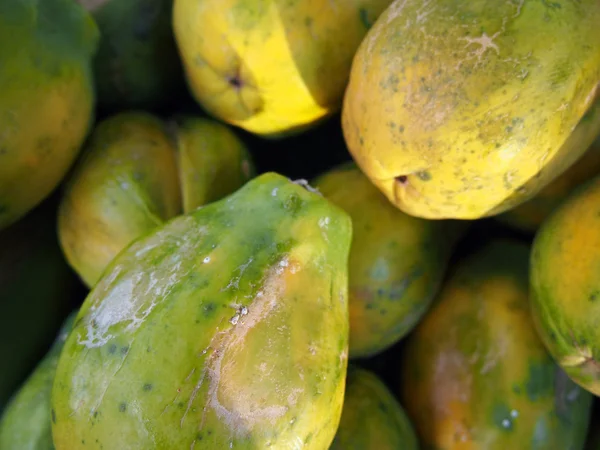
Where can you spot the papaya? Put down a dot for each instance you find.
(226, 327)
(564, 285)
(530, 215)
(372, 419)
(460, 109)
(475, 374)
(136, 173)
(137, 63)
(274, 68)
(397, 262)
(26, 423)
(46, 100)
(37, 290)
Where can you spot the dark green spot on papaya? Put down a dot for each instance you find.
(540, 381)
(208, 309)
(364, 18)
(123, 407)
(124, 349)
(424, 175)
(502, 417)
(53, 413)
(594, 296)
(112, 349)
(293, 203)
(147, 387)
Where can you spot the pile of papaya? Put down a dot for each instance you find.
(300, 224)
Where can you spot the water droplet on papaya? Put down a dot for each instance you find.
(514, 413)
(206, 260)
(506, 423)
(235, 319)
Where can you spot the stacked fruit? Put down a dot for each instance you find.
(343, 224)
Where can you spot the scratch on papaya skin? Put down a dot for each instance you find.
(110, 380)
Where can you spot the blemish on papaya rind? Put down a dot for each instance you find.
(540, 381)
(246, 413)
(364, 18)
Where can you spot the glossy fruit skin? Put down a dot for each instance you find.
(397, 262)
(224, 328)
(26, 423)
(138, 172)
(475, 373)
(46, 98)
(372, 419)
(137, 64)
(275, 67)
(458, 109)
(530, 215)
(564, 285)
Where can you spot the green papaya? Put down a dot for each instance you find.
(46, 98)
(565, 286)
(37, 290)
(372, 419)
(530, 215)
(397, 261)
(134, 175)
(137, 64)
(227, 327)
(26, 423)
(475, 374)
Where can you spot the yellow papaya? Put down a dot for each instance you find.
(46, 98)
(475, 374)
(136, 173)
(372, 419)
(530, 215)
(461, 109)
(565, 287)
(226, 327)
(397, 262)
(272, 67)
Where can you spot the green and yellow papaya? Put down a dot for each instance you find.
(135, 174)
(372, 419)
(530, 215)
(475, 374)
(137, 64)
(565, 285)
(276, 67)
(46, 98)
(26, 423)
(37, 290)
(226, 327)
(397, 262)
(461, 109)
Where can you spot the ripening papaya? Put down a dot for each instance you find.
(397, 262)
(530, 215)
(272, 67)
(372, 419)
(26, 423)
(137, 64)
(226, 327)
(46, 98)
(136, 173)
(461, 109)
(565, 285)
(475, 374)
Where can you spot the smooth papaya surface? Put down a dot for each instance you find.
(565, 285)
(372, 419)
(461, 109)
(531, 214)
(224, 328)
(475, 374)
(138, 172)
(137, 63)
(26, 423)
(46, 98)
(272, 67)
(397, 261)
(37, 290)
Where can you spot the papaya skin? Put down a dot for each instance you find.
(125, 184)
(272, 67)
(475, 374)
(564, 283)
(397, 262)
(531, 214)
(26, 423)
(457, 109)
(372, 419)
(224, 328)
(46, 100)
(213, 162)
